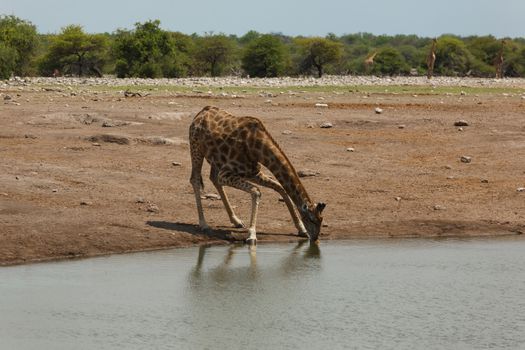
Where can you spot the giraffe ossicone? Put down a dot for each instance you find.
(237, 148)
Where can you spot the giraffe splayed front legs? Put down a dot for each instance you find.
(237, 148)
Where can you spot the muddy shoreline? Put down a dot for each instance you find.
(88, 172)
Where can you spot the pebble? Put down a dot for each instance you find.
(401, 126)
(286, 132)
(460, 129)
(140, 200)
(378, 110)
(461, 123)
(7, 98)
(350, 149)
(176, 163)
(54, 190)
(397, 198)
(484, 181)
(520, 189)
(466, 159)
(448, 167)
(85, 203)
(323, 105)
(439, 207)
(152, 208)
(326, 125)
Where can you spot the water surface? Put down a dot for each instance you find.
(418, 294)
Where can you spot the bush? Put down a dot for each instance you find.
(389, 61)
(7, 61)
(452, 57)
(265, 56)
(20, 38)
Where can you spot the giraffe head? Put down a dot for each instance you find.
(312, 219)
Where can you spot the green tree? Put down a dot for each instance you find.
(214, 52)
(389, 61)
(149, 51)
(452, 57)
(19, 41)
(7, 61)
(265, 56)
(318, 52)
(75, 52)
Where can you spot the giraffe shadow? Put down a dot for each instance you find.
(221, 232)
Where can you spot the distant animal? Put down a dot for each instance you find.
(369, 61)
(237, 148)
(431, 59)
(499, 61)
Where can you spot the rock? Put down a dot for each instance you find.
(460, 129)
(520, 189)
(463, 93)
(152, 208)
(85, 203)
(108, 124)
(7, 98)
(140, 200)
(378, 110)
(307, 173)
(466, 159)
(461, 123)
(350, 149)
(211, 196)
(54, 190)
(121, 140)
(397, 198)
(322, 105)
(401, 126)
(96, 144)
(286, 132)
(439, 207)
(484, 181)
(326, 125)
(448, 167)
(176, 164)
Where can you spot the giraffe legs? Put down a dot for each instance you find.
(264, 180)
(227, 179)
(196, 181)
(231, 214)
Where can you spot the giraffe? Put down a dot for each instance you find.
(498, 61)
(369, 61)
(236, 148)
(431, 59)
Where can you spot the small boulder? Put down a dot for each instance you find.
(378, 110)
(461, 123)
(326, 125)
(465, 159)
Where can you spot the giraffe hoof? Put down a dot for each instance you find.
(251, 241)
(239, 225)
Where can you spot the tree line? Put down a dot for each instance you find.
(148, 51)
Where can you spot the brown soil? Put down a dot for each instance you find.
(70, 187)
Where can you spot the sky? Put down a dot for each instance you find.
(500, 18)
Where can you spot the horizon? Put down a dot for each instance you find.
(405, 17)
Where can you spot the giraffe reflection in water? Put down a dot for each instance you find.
(305, 255)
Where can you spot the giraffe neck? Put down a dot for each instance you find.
(274, 159)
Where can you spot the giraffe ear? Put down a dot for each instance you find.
(320, 207)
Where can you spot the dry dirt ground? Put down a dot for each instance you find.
(93, 172)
